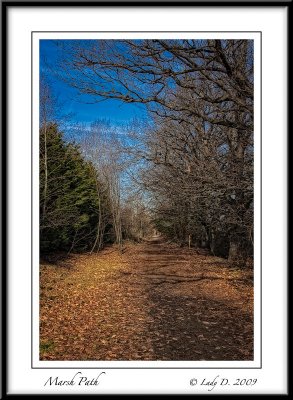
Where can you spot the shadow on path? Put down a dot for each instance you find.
(194, 318)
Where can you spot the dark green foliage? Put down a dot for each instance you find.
(69, 202)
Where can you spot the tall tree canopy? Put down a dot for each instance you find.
(200, 151)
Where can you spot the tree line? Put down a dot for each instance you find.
(197, 151)
(81, 206)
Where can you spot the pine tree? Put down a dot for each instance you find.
(69, 201)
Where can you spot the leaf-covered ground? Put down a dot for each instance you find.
(155, 301)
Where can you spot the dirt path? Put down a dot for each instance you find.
(156, 301)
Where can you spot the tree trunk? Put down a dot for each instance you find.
(237, 252)
(46, 173)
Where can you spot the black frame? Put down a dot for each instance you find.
(4, 150)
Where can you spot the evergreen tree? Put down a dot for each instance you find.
(69, 201)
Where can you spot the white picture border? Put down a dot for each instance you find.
(25, 376)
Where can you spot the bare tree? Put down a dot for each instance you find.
(201, 92)
(100, 145)
(47, 114)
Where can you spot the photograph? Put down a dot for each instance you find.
(145, 152)
(146, 199)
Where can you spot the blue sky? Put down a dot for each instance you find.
(113, 110)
